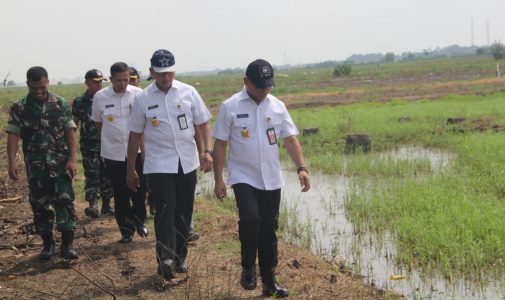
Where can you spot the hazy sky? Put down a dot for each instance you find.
(69, 37)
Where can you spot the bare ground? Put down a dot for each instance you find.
(107, 269)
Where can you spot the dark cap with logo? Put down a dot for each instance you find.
(133, 73)
(260, 73)
(163, 61)
(95, 75)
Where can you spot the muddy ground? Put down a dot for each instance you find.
(107, 269)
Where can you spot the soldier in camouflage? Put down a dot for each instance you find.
(97, 181)
(43, 122)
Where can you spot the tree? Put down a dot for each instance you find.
(11, 83)
(389, 57)
(482, 51)
(342, 70)
(498, 52)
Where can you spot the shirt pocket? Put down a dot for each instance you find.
(275, 121)
(111, 114)
(153, 118)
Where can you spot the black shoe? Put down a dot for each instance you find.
(165, 269)
(142, 230)
(272, 288)
(181, 266)
(107, 210)
(67, 250)
(125, 239)
(49, 249)
(193, 236)
(92, 212)
(248, 278)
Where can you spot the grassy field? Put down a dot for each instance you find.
(450, 220)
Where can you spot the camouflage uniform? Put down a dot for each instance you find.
(97, 181)
(42, 126)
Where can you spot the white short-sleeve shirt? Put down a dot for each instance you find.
(167, 121)
(252, 131)
(113, 110)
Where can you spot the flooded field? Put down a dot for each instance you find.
(372, 257)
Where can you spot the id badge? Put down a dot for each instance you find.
(272, 138)
(183, 124)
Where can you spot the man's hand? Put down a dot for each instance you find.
(13, 172)
(206, 162)
(71, 168)
(220, 189)
(304, 180)
(132, 180)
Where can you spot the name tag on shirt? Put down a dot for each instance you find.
(152, 107)
(109, 105)
(240, 116)
(272, 137)
(183, 123)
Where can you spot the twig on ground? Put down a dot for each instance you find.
(46, 293)
(94, 283)
(5, 247)
(98, 269)
(9, 200)
(68, 285)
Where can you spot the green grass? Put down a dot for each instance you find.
(450, 221)
(227, 246)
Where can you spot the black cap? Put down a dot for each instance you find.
(94, 74)
(134, 73)
(163, 61)
(260, 73)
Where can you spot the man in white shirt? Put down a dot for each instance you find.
(111, 110)
(252, 121)
(166, 114)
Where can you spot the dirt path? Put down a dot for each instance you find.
(107, 268)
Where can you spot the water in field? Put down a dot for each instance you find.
(333, 237)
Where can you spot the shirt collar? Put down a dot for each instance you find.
(50, 98)
(153, 88)
(245, 96)
(110, 91)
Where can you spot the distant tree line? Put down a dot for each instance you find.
(449, 51)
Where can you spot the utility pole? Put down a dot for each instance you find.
(487, 32)
(471, 32)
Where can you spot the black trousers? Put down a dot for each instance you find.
(258, 222)
(173, 196)
(130, 206)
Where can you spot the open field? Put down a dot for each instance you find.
(430, 79)
(449, 221)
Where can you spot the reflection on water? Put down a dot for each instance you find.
(323, 208)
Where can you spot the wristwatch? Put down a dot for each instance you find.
(302, 168)
(210, 151)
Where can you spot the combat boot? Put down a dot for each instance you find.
(106, 208)
(49, 246)
(67, 250)
(92, 210)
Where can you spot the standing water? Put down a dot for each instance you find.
(331, 235)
